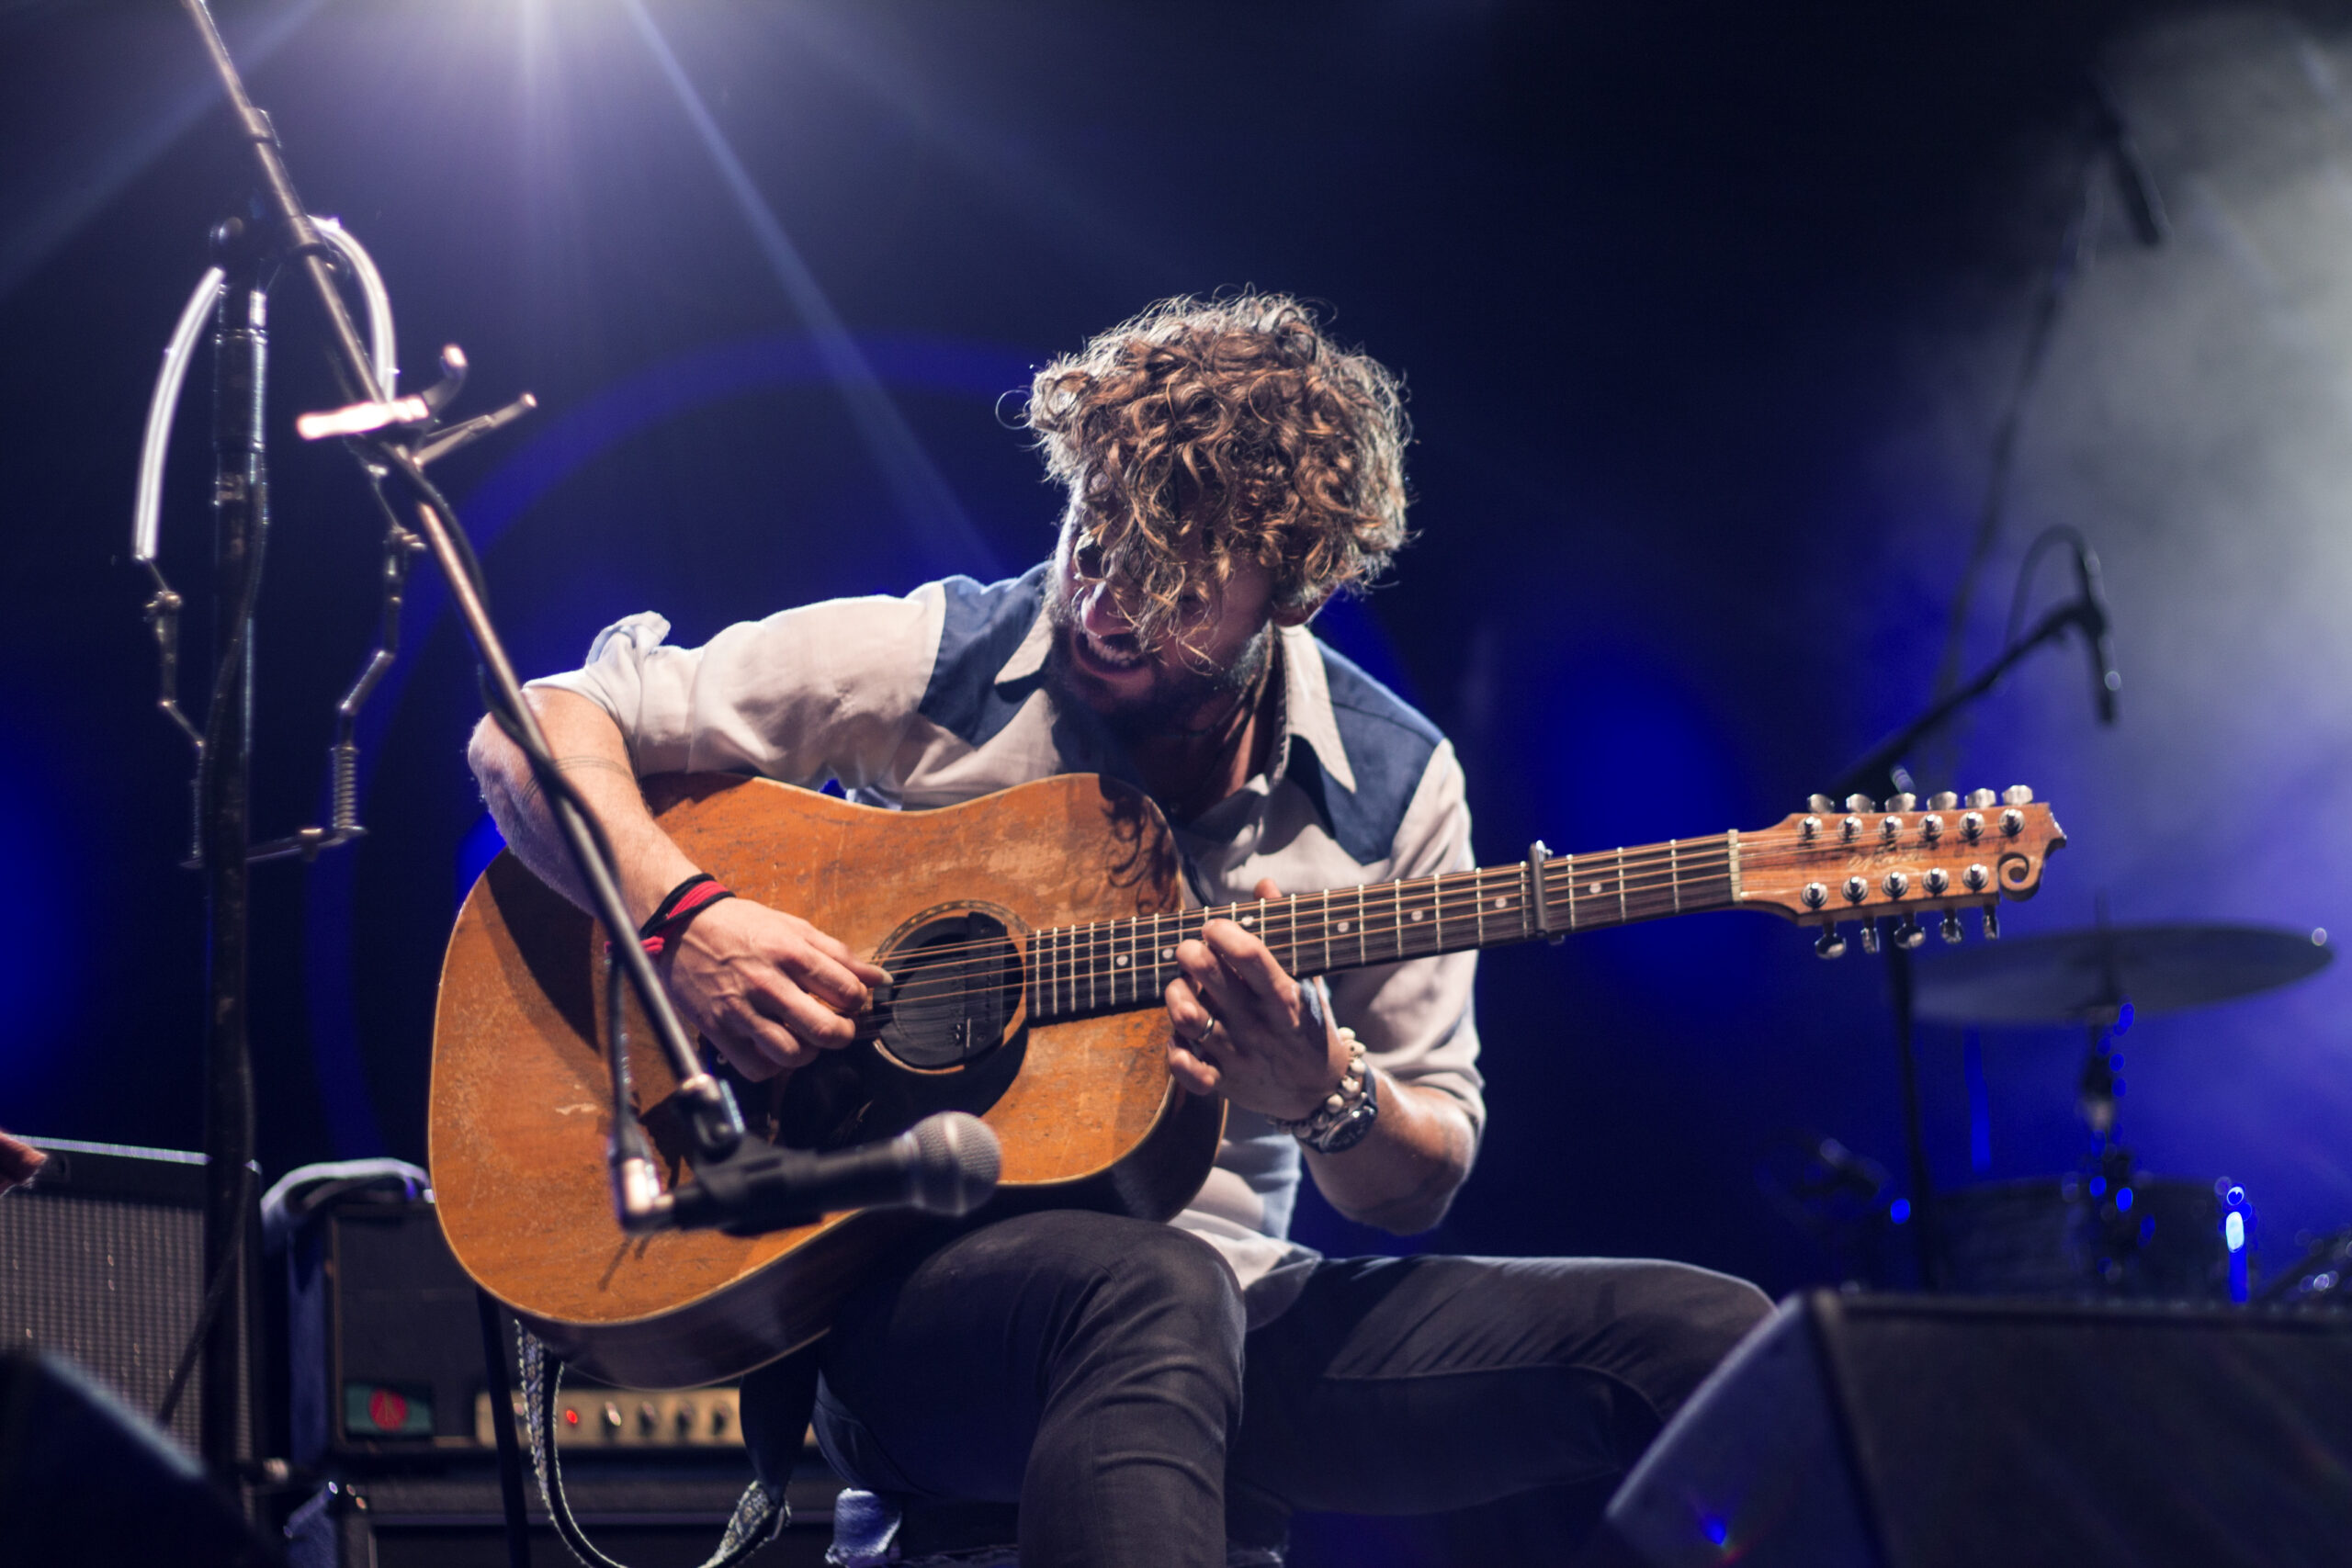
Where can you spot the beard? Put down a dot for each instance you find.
(1176, 695)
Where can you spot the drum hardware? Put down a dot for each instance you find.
(2110, 1228)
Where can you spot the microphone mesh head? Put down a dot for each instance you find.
(956, 1162)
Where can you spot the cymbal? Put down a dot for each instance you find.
(2081, 976)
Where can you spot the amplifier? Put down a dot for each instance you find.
(386, 1341)
(1892, 1432)
(102, 1261)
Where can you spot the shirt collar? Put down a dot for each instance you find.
(1306, 709)
(1306, 697)
(1030, 657)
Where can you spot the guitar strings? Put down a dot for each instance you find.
(1701, 863)
(1381, 903)
(1082, 954)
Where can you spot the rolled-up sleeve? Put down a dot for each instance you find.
(823, 691)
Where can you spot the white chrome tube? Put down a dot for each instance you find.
(381, 346)
(146, 512)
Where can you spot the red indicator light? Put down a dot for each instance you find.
(571, 1418)
(388, 1410)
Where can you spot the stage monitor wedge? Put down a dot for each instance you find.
(1899, 1432)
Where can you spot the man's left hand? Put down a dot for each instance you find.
(1246, 1030)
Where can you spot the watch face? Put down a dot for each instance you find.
(1351, 1129)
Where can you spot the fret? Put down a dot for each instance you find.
(1674, 873)
(1396, 917)
(1622, 913)
(1568, 865)
(1478, 905)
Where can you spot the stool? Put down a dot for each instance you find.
(892, 1529)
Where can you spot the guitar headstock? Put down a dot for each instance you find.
(1864, 860)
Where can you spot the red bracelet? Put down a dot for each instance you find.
(677, 911)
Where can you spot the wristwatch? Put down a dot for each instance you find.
(1347, 1113)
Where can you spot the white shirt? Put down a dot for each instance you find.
(939, 697)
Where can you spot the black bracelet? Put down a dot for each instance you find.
(668, 905)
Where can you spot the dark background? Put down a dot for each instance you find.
(1708, 313)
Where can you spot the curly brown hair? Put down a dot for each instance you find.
(1205, 432)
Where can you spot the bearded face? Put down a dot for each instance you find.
(1179, 681)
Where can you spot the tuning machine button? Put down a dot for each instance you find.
(1977, 879)
(1950, 929)
(2017, 795)
(2012, 822)
(1978, 799)
(1896, 885)
(1870, 936)
(1906, 801)
(1936, 880)
(1813, 894)
(1972, 826)
(1856, 890)
(1830, 944)
(1820, 805)
(1860, 804)
(1943, 800)
(1992, 923)
(1907, 934)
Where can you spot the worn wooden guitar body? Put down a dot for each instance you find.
(1084, 1108)
(1030, 935)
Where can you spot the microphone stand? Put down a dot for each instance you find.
(381, 438)
(1876, 768)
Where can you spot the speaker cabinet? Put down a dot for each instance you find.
(1917, 1433)
(102, 1261)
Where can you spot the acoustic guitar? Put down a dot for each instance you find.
(1030, 935)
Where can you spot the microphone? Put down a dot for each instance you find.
(2092, 616)
(945, 1164)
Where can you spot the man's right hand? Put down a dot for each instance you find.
(767, 988)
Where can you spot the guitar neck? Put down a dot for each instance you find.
(1114, 965)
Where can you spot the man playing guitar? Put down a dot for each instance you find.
(1148, 1393)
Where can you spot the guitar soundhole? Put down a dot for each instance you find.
(955, 986)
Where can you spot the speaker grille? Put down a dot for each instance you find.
(102, 1262)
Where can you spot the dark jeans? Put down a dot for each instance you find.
(1095, 1370)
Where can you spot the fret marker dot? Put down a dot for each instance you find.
(1167, 954)
(1342, 928)
(1120, 962)
(1414, 916)
(1502, 903)
(1248, 921)
(1594, 888)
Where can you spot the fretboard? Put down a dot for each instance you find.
(1114, 966)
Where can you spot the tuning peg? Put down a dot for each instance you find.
(1903, 802)
(1908, 932)
(1870, 936)
(1830, 944)
(1978, 799)
(1943, 800)
(1992, 923)
(1860, 804)
(1820, 805)
(2017, 795)
(1950, 930)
